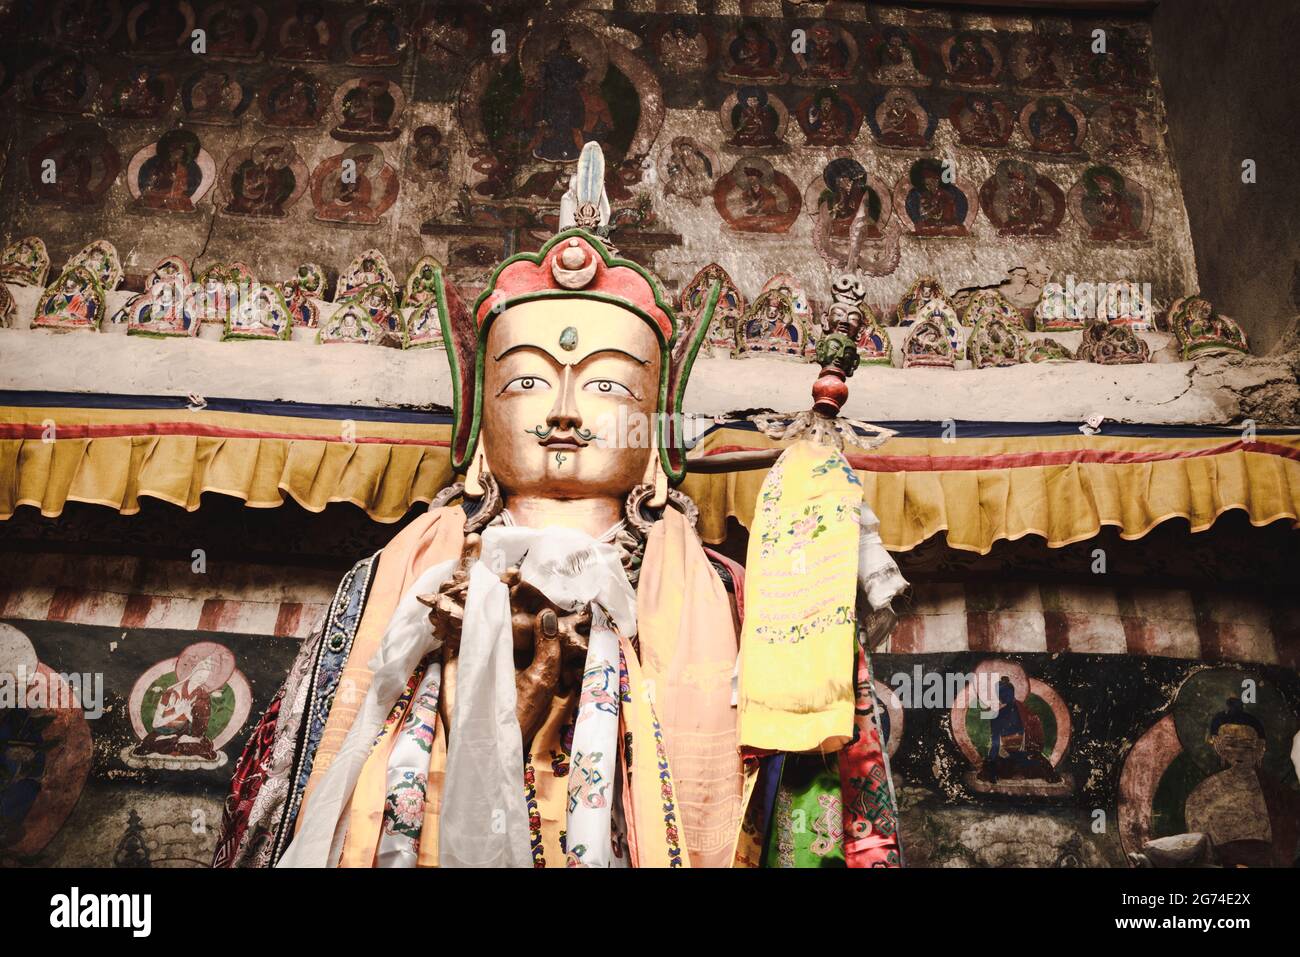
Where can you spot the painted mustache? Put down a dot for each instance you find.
(544, 434)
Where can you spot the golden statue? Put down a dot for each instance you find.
(542, 675)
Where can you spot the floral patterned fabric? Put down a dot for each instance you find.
(798, 640)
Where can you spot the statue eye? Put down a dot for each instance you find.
(608, 387)
(527, 383)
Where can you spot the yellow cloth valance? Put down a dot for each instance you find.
(1061, 487)
(113, 457)
(976, 491)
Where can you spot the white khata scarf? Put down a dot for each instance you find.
(484, 818)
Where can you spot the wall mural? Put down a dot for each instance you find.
(1040, 736)
(904, 136)
(135, 758)
(1010, 772)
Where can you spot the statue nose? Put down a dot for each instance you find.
(564, 413)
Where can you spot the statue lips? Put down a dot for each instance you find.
(562, 443)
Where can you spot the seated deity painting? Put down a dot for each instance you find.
(304, 33)
(235, 30)
(847, 197)
(830, 53)
(1119, 70)
(1016, 729)
(934, 203)
(85, 24)
(897, 56)
(1021, 202)
(1053, 126)
(683, 44)
(293, 100)
(373, 38)
(359, 198)
(429, 158)
(755, 197)
(900, 121)
(1217, 767)
(214, 97)
(184, 709)
(1122, 129)
(171, 175)
(84, 164)
(368, 109)
(564, 85)
(754, 119)
(63, 84)
(264, 180)
(982, 120)
(143, 92)
(1037, 62)
(751, 55)
(1111, 207)
(556, 121)
(972, 59)
(828, 118)
(159, 26)
(688, 169)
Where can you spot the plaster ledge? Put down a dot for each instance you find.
(1215, 391)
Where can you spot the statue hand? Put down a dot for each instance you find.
(447, 616)
(552, 641)
(447, 604)
(525, 603)
(535, 685)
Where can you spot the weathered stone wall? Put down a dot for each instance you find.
(1230, 89)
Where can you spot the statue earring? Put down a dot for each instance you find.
(474, 476)
(656, 478)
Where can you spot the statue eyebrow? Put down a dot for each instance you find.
(546, 352)
(523, 345)
(621, 352)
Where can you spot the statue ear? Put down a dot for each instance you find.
(460, 339)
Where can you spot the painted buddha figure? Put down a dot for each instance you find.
(1230, 805)
(541, 675)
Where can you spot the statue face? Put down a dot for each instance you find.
(565, 383)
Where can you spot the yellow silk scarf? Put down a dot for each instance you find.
(688, 655)
(798, 642)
